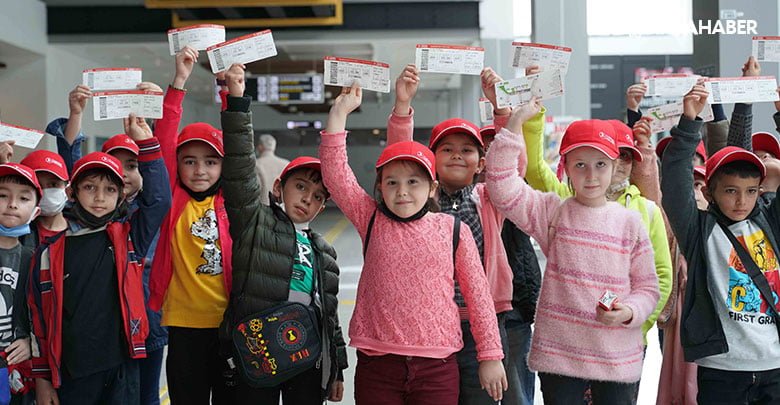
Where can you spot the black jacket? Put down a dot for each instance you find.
(264, 242)
(526, 275)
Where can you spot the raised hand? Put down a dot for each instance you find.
(185, 62)
(523, 113)
(694, 101)
(489, 78)
(235, 78)
(751, 67)
(137, 128)
(77, 99)
(405, 89)
(634, 95)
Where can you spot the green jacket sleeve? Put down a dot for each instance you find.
(539, 175)
(663, 265)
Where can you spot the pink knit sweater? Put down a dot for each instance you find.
(405, 298)
(588, 251)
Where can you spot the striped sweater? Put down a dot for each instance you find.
(589, 250)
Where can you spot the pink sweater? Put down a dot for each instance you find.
(496, 263)
(405, 298)
(588, 251)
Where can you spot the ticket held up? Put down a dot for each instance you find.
(199, 37)
(545, 56)
(244, 49)
(750, 89)
(111, 105)
(670, 85)
(24, 137)
(485, 111)
(665, 117)
(370, 75)
(111, 78)
(766, 49)
(544, 85)
(466, 60)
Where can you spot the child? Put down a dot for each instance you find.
(123, 148)
(86, 288)
(52, 175)
(459, 151)
(191, 275)
(728, 327)
(277, 255)
(592, 246)
(405, 324)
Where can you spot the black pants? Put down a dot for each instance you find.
(558, 389)
(117, 386)
(194, 368)
(303, 389)
(738, 387)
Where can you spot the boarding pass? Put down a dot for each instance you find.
(750, 89)
(670, 85)
(665, 117)
(545, 56)
(24, 137)
(245, 49)
(545, 85)
(370, 75)
(199, 37)
(111, 78)
(109, 105)
(485, 111)
(466, 60)
(766, 49)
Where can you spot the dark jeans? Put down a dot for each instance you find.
(116, 386)
(471, 392)
(303, 389)
(562, 390)
(194, 368)
(149, 371)
(522, 381)
(405, 380)
(738, 387)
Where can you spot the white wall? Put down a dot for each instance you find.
(23, 24)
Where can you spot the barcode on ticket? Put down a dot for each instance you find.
(90, 80)
(334, 72)
(103, 108)
(176, 45)
(424, 59)
(761, 50)
(715, 93)
(218, 59)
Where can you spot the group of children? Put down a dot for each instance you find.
(162, 239)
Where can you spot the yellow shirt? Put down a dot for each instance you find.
(196, 296)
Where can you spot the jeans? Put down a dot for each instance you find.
(521, 380)
(303, 389)
(721, 387)
(563, 390)
(116, 386)
(149, 373)
(194, 368)
(471, 392)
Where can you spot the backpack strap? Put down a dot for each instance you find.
(368, 233)
(455, 238)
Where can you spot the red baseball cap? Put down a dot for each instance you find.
(732, 154)
(47, 161)
(625, 138)
(121, 141)
(489, 130)
(411, 151)
(16, 169)
(98, 160)
(301, 162)
(663, 143)
(766, 141)
(455, 126)
(596, 134)
(200, 131)
(701, 171)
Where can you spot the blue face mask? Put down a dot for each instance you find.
(16, 231)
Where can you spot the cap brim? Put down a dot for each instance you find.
(413, 158)
(610, 154)
(634, 152)
(127, 148)
(212, 144)
(738, 155)
(52, 172)
(458, 129)
(767, 142)
(96, 165)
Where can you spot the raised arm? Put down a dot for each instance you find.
(400, 124)
(634, 95)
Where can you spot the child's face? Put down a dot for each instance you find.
(132, 179)
(199, 165)
(302, 196)
(698, 185)
(590, 172)
(98, 195)
(405, 188)
(48, 180)
(734, 196)
(18, 203)
(623, 166)
(457, 161)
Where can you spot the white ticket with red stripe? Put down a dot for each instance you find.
(434, 58)
(750, 89)
(244, 49)
(199, 37)
(545, 85)
(545, 56)
(109, 105)
(24, 137)
(370, 75)
(766, 49)
(111, 78)
(670, 85)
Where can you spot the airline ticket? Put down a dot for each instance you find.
(245, 49)
(466, 60)
(750, 89)
(545, 85)
(766, 49)
(111, 78)
(24, 137)
(199, 37)
(545, 56)
(374, 76)
(108, 105)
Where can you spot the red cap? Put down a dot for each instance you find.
(300, 163)
(47, 161)
(766, 141)
(16, 169)
(701, 171)
(411, 151)
(98, 160)
(120, 141)
(200, 131)
(663, 143)
(455, 126)
(596, 134)
(625, 138)
(732, 154)
(487, 130)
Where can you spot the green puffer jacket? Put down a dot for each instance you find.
(264, 246)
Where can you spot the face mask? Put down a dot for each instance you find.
(53, 201)
(19, 230)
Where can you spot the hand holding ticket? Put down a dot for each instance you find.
(370, 75)
(544, 85)
(111, 78)
(466, 60)
(110, 105)
(21, 136)
(241, 50)
(199, 37)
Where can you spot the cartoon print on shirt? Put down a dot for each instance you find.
(743, 295)
(8, 281)
(206, 228)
